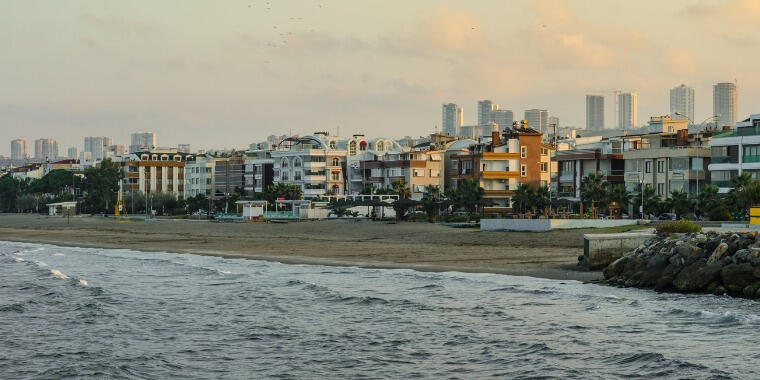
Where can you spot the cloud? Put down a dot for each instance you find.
(732, 11)
(681, 61)
(453, 30)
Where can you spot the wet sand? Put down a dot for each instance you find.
(418, 246)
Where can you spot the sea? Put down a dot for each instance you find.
(70, 312)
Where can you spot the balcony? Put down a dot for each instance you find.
(567, 194)
(313, 165)
(498, 193)
(499, 175)
(721, 183)
(723, 160)
(748, 159)
(315, 178)
(313, 191)
(500, 156)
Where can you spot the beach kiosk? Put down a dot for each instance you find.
(252, 210)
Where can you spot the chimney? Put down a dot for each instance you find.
(495, 138)
(682, 137)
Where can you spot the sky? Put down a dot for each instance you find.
(229, 73)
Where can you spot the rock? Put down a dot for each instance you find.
(754, 256)
(700, 239)
(712, 244)
(613, 270)
(751, 289)
(711, 288)
(732, 247)
(718, 252)
(741, 256)
(736, 277)
(719, 290)
(697, 276)
(669, 274)
(757, 293)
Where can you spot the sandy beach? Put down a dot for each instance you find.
(419, 246)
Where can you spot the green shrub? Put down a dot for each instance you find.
(680, 226)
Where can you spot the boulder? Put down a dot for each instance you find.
(736, 277)
(718, 252)
(665, 282)
(697, 276)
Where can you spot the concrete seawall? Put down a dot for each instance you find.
(540, 225)
(600, 250)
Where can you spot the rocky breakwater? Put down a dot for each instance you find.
(717, 263)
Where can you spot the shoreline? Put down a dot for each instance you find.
(416, 246)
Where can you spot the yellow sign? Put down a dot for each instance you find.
(754, 215)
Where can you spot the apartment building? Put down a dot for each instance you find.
(504, 162)
(157, 170)
(734, 152)
(199, 177)
(604, 157)
(259, 170)
(417, 168)
(229, 174)
(667, 159)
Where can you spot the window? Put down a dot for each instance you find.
(208, 170)
(208, 181)
(523, 171)
(679, 163)
(544, 167)
(648, 166)
(751, 153)
(544, 151)
(660, 189)
(567, 167)
(419, 188)
(335, 176)
(419, 172)
(285, 163)
(296, 162)
(660, 166)
(285, 176)
(523, 151)
(333, 145)
(435, 173)
(352, 148)
(335, 161)
(363, 146)
(297, 175)
(466, 167)
(380, 146)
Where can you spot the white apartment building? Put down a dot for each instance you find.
(19, 150)
(735, 152)
(199, 177)
(725, 103)
(682, 102)
(628, 105)
(594, 112)
(157, 170)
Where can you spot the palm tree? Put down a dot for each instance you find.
(712, 205)
(679, 203)
(741, 181)
(620, 195)
(523, 198)
(542, 198)
(401, 189)
(747, 195)
(652, 201)
(431, 201)
(594, 189)
(469, 194)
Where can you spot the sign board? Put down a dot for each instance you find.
(754, 215)
(280, 198)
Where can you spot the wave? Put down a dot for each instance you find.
(59, 274)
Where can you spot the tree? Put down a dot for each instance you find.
(102, 185)
(523, 199)
(468, 195)
(652, 201)
(281, 190)
(197, 203)
(431, 202)
(10, 188)
(594, 190)
(747, 196)
(620, 195)
(542, 198)
(134, 202)
(54, 182)
(401, 189)
(679, 203)
(712, 205)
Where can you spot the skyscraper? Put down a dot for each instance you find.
(725, 103)
(142, 141)
(553, 120)
(484, 111)
(628, 115)
(19, 150)
(503, 118)
(594, 112)
(682, 101)
(452, 119)
(97, 146)
(538, 119)
(73, 153)
(45, 149)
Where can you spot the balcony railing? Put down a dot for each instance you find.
(721, 183)
(751, 159)
(723, 160)
(567, 193)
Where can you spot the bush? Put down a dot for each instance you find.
(680, 226)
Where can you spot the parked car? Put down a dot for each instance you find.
(667, 216)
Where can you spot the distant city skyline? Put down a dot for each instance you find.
(225, 75)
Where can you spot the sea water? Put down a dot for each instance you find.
(80, 312)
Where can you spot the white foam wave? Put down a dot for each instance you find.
(59, 274)
(83, 282)
(58, 254)
(223, 271)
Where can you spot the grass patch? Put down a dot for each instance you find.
(680, 226)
